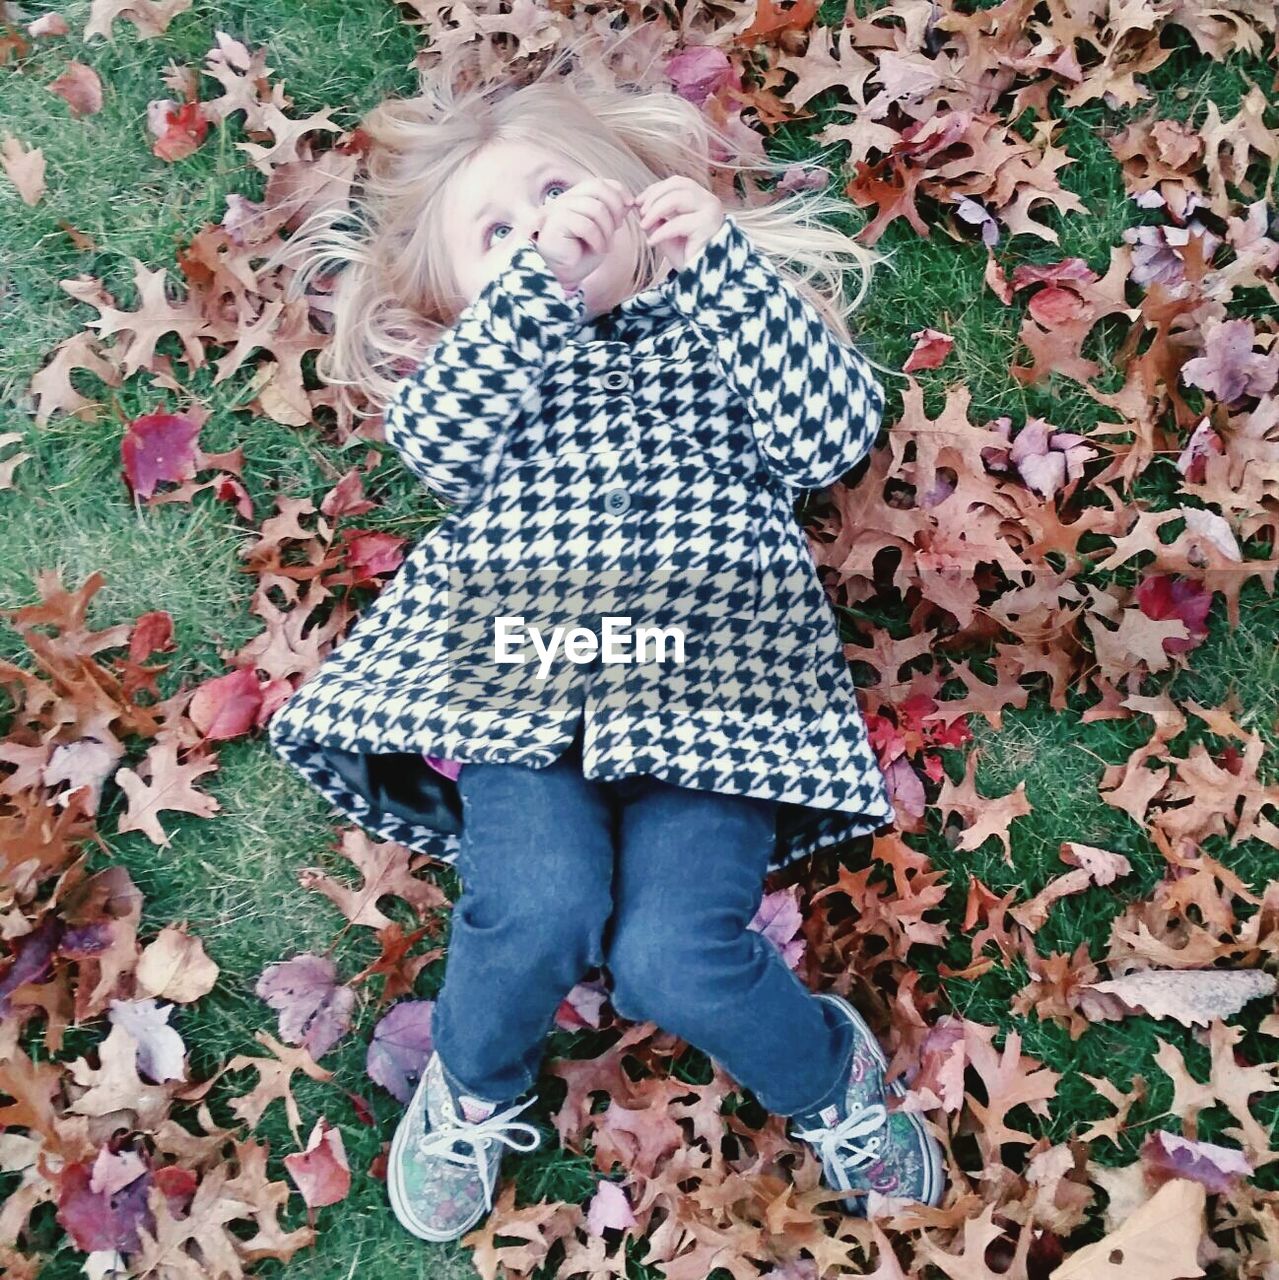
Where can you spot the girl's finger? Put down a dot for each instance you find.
(674, 229)
(604, 218)
(605, 209)
(581, 227)
(672, 204)
(608, 191)
(683, 190)
(674, 182)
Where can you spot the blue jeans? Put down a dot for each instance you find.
(561, 874)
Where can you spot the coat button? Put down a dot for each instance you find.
(616, 380)
(617, 501)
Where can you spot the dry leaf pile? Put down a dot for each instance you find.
(1025, 541)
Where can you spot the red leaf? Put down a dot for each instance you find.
(885, 737)
(103, 1219)
(931, 348)
(321, 1172)
(933, 767)
(1203, 443)
(1169, 596)
(178, 1185)
(954, 734)
(1055, 305)
(185, 128)
(80, 88)
(371, 553)
(361, 1108)
(1165, 1155)
(159, 446)
(152, 633)
(227, 706)
(699, 71)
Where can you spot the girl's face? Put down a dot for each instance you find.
(498, 200)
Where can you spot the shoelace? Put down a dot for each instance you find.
(499, 1127)
(841, 1146)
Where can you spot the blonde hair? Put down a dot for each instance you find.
(395, 295)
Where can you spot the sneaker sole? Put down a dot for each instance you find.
(401, 1204)
(935, 1179)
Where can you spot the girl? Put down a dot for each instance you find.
(595, 363)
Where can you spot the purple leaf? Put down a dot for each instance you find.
(1218, 1168)
(107, 1218)
(314, 1011)
(400, 1047)
(1229, 368)
(161, 1053)
(778, 918)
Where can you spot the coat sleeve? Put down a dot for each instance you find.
(448, 419)
(815, 403)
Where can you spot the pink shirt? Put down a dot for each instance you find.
(449, 768)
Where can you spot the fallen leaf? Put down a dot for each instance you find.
(161, 1053)
(315, 1009)
(582, 1006)
(780, 920)
(49, 24)
(179, 128)
(159, 447)
(1160, 1241)
(609, 1209)
(80, 88)
(931, 349)
(321, 1172)
(387, 870)
(1229, 368)
(227, 706)
(151, 17)
(1194, 997)
(168, 785)
(1046, 459)
(175, 967)
(24, 167)
(1168, 595)
(1219, 1169)
(399, 1048)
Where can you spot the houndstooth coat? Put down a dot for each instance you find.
(641, 464)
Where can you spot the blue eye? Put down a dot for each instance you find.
(492, 228)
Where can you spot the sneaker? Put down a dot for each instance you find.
(863, 1146)
(443, 1165)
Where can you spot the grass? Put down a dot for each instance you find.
(235, 877)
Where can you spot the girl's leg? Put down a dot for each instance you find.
(536, 864)
(689, 879)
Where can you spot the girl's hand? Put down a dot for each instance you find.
(579, 226)
(678, 216)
